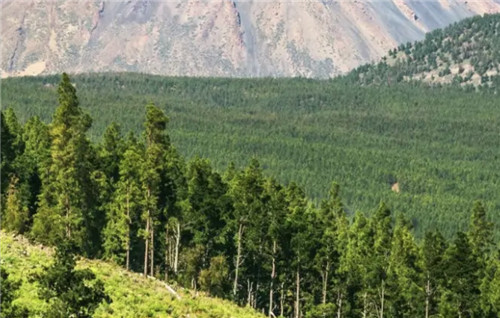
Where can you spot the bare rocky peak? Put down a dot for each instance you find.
(315, 38)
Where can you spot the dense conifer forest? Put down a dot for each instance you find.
(131, 198)
(439, 145)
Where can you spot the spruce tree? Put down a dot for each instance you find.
(123, 212)
(70, 292)
(66, 201)
(298, 220)
(157, 143)
(276, 211)
(110, 152)
(246, 191)
(34, 161)
(377, 273)
(15, 216)
(8, 293)
(355, 266)
(404, 273)
(433, 249)
(461, 293)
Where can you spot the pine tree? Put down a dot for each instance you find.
(377, 275)
(404, 273)
(66, 204)
(111, 151)
(433, 249)
(494, 290)
(332, 228)
(355, 265)
(275, 240)
(175, 206)
(126, 206)
(209, 206)
(298, 218)
(8, 293)
(12, 148)
(34, 161)
(157, 143)
(246, 192)
(15, 216)
(67, 290)
(461, 293)
(480, 234)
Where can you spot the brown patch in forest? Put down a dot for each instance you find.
(395, 187)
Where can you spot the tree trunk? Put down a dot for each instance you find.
(238, 260)
(127, 258)
(146, 247)
(254, 297)
(282, 299)
(273, 275)
(427, 296)
(382, 299)
(166, 255)
(177, 245)
(339, 304)
(249, 292)
(325, 281)
(365, 307)
(297, 294)
(152, 251)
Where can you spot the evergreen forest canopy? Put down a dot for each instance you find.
(467, 53)
(439, 144)
(238, 235)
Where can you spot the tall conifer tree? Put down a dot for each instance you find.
(66, 201)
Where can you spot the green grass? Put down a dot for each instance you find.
(133, 295)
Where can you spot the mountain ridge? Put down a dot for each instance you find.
(252, 38)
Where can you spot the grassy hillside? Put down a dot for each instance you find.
(440, 144)
(132, 295)
(465, 53)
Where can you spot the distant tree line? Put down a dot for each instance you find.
(238, 235)
(440, 145)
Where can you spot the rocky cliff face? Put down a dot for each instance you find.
(315, 38)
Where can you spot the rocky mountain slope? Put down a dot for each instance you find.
(315, 38)
(465, 53)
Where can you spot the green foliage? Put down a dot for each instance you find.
(70, 292)
(67, 205)
(8, 292)
(434, 142)
(243, 236)
(15, 215)
(132, 295)
(215, 279)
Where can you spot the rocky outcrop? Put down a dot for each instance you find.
(316, 38)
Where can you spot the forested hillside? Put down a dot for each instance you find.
(440, 146)
(465, 53)
(132, 199)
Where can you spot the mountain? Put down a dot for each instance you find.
(132, 294)
(465, 53)
(216, 38)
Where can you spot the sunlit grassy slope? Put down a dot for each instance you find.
(133, 295)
